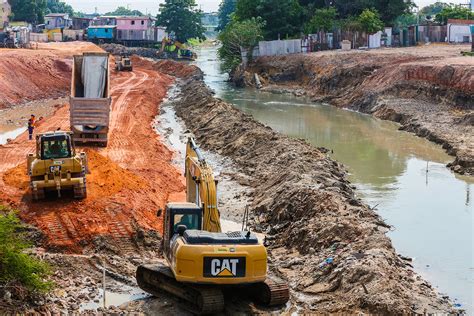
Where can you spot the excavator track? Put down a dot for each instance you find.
(201, 299)
(271, 292)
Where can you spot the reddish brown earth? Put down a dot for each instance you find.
(129, 180)
(36, 74)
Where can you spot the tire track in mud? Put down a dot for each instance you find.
(135, 162)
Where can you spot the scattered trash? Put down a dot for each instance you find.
(326, 262)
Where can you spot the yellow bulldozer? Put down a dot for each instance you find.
(56, 166)
(203, 261)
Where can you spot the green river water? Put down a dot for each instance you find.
(430, 208)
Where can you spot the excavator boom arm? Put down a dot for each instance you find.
(201, 187)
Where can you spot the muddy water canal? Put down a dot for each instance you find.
(403, 176)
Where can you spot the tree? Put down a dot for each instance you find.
(405, 20)
(226, 8)
(56, 6)
(453, 12)
(122, 11)
(370, 21)
(237, 35)
(389, 9)
(182, 18)
(323, 20)
(433, 9)
(284, 18)
(31, 11)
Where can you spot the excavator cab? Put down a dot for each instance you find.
(180, 214)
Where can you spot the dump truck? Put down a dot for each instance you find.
(56, 166)
(90, 98)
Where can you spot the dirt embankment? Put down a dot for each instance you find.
(329, 245)
(37, 74)
(428, 90)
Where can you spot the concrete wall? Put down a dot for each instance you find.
(374, 40)
(458, 33)
(160, 34)
(276, 48)
(39, 37)
(75, 35)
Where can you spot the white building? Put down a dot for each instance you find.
(459, 31)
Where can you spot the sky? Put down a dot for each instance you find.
(151, 6)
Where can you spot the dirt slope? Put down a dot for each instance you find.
(130, 179)
(330, 247)
(429, 90)
(39, 73)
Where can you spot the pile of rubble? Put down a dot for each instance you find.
(117, 49)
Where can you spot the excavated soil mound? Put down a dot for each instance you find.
(177, 69)
(332, 249)
(38, 74)
(32, 76)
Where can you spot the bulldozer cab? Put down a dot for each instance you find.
(178, 215)
(55, 146)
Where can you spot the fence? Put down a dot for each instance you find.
(39, 37)
(432, 33)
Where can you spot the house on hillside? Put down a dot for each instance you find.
(136, 28)
(459, 31)
(5, 12)
(80, 23)
(57, 21)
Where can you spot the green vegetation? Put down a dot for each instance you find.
(453, 12)
(56, 6)
(323, 20)
(122, 11)
(283, 17)
(238, 35)
(18, 269)
(182, 18)
(31, 11)
(288, 18)
(370, 21)
(433, 9)
(226, 8)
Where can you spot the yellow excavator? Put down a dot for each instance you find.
(174, 49)
(56, 166)
(203, 261)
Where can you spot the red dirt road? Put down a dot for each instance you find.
(129, 180)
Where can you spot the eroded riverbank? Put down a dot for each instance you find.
(428, 90)
(328, 244)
